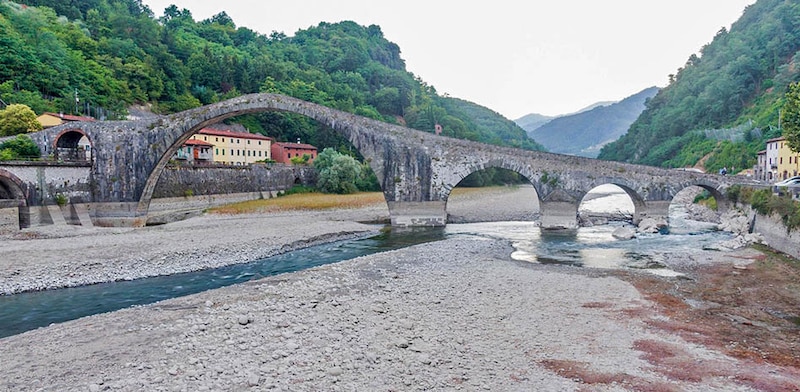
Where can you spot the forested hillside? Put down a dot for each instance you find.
(585, 132)
(110, 54)
(725, 102)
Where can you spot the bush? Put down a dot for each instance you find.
(20, 147)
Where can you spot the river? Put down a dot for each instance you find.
(593, 247)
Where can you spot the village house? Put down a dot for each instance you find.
(283, 152)
(777, 162)
(196, 152)
(234, 147)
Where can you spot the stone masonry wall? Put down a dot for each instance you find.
(774, 231)
(181, 181)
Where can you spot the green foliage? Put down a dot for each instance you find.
(767, 203)
(61, 199)
(337, 173)
(115, 53)
(18, 119)
(300, 160)
(492, 176)
(791, 117)
(741, 76)
(705, 198)
(21, 147)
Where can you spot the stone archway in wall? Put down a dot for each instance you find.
(13, 201)
(72, 145)
(514, 199)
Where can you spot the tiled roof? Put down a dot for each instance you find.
(196, 142)
(69, 117)
(241, 135)
(298, 146)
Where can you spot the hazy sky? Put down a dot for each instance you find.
(549, 57)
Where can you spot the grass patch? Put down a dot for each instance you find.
(302, 201)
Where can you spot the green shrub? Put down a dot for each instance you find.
(60, 199)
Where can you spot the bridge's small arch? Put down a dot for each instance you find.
(13, 201)
(72, 145)
(608, 202)
(696, 208)
(495, 185)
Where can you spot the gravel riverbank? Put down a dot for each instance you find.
(457, 314)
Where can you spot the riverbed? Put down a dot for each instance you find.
(458, 314)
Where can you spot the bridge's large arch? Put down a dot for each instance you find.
(190, 122)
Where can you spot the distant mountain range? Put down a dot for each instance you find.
(585, 132)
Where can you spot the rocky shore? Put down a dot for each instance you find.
(457, 314)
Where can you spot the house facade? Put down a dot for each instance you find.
(788, 165)
(283, 152)
(777, 162)
(196, 152)
(759, 170)
(234, 147)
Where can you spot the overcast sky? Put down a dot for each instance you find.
(549, 57)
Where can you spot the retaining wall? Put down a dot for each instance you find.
(187, 181)
(774, 231)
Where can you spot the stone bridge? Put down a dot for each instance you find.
(416, 170)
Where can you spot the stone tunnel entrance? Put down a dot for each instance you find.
(12, 204)
(73, 146)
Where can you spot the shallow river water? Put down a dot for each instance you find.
(587, 247)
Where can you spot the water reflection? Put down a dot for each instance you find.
(592, 247)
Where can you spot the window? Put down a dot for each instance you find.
(288, 155)
(216, 139)
(259, 142)
(223, 152)
(248, 142)
(223, 140)
(205, 138)
(237, 141)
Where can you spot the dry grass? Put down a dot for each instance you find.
(303, 201)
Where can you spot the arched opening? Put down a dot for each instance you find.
(493, 194)
(12, 203)
(606, 203)
(695, 209)
(260, 154)
(73, 146)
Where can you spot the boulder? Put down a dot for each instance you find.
(623, 233)
(650, 225)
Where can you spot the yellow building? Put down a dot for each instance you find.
(788, 164)
(236, 148)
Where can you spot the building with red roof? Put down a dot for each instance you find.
(284, 152)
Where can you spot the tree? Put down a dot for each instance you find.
(791, 117)
(20, 147)
(336, 172)
(16, 119)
